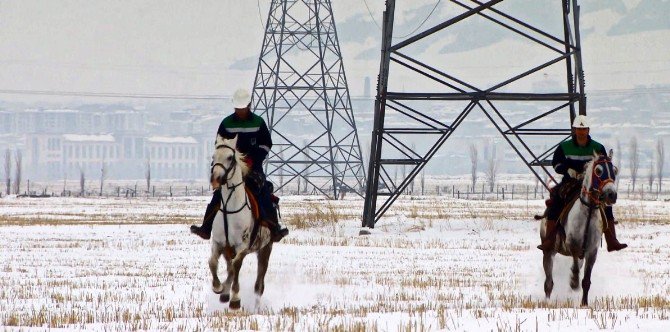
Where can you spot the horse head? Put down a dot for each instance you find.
(226, 161)
(599, 177)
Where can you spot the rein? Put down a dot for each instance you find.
(593, 195)
(226, 177)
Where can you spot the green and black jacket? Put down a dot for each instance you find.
(253, 137)
(569, 155)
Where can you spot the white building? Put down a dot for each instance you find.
(173, 157)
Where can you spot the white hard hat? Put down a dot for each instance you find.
(580, 122)
(241, 98)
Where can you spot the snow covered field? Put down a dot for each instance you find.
(430, 264)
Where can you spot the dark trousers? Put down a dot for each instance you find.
(262, 190)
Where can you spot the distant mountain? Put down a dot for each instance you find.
(649, 15)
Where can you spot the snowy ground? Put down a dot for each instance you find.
(430, 264)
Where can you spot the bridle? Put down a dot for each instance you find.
(227, 175)
(602, 173)
(226, 171)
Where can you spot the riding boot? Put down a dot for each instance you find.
(205, 231)
(550, 236)
(610, 237)
(278, 232)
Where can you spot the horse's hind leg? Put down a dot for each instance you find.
(213, 267)
(235, 288)
(574, 278)
(586, 282)
(548, 263)
(263, 261)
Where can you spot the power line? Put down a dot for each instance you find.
(110, 94)
(422, 23)
(413, 31)
(220, 97)
(371, 16)
(260, 17)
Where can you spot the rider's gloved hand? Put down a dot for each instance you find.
(572, 173)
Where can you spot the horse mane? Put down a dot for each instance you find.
(239, 156)
(588, 170)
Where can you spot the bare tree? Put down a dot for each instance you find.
(147, 173)
(473, 165)
(18, 161)
(281, 172)
(82, 181)
(619, 162)
(423, 181)
(64, 183)
(103, 176)
(8, 170)
(411, 187)
(660, 156)
(634, 161)
(492, 167)
(651, 174)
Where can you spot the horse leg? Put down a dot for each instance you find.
(586, 282)
(225, 296)
(235, 288)
(574, 279)
(213, 267)
(263, 261)
(548, 263)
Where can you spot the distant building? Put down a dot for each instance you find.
(173, 157)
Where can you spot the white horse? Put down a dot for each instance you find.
(584, 225)
(233, 225)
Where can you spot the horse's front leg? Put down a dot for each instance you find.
(574, 278)
(235, 288)
(548, 263)
(263, 261)
(213, 267)
(586, 282)
(225, 295)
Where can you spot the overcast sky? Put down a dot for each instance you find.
(187, 47)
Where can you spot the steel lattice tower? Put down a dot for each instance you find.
(301, 90)
(389, 147)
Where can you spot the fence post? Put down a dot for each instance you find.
(459, 194)
(512, 192)
(503, 193)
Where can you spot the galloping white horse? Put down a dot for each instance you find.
(584, 225)
(233, 225)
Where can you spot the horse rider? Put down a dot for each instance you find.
(254, 140)
(569, 160)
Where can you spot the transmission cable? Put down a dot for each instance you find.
(413, 31)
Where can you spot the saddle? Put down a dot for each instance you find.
(563, 217)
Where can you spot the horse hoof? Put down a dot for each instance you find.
(574, 285)
(224, 298)
(235, 304)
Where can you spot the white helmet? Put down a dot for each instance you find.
(241, 98)
(581, 122)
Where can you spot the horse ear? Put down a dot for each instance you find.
(611, 154)
(234, 141)
(219, 139)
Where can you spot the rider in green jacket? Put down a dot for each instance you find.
(569, 160)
